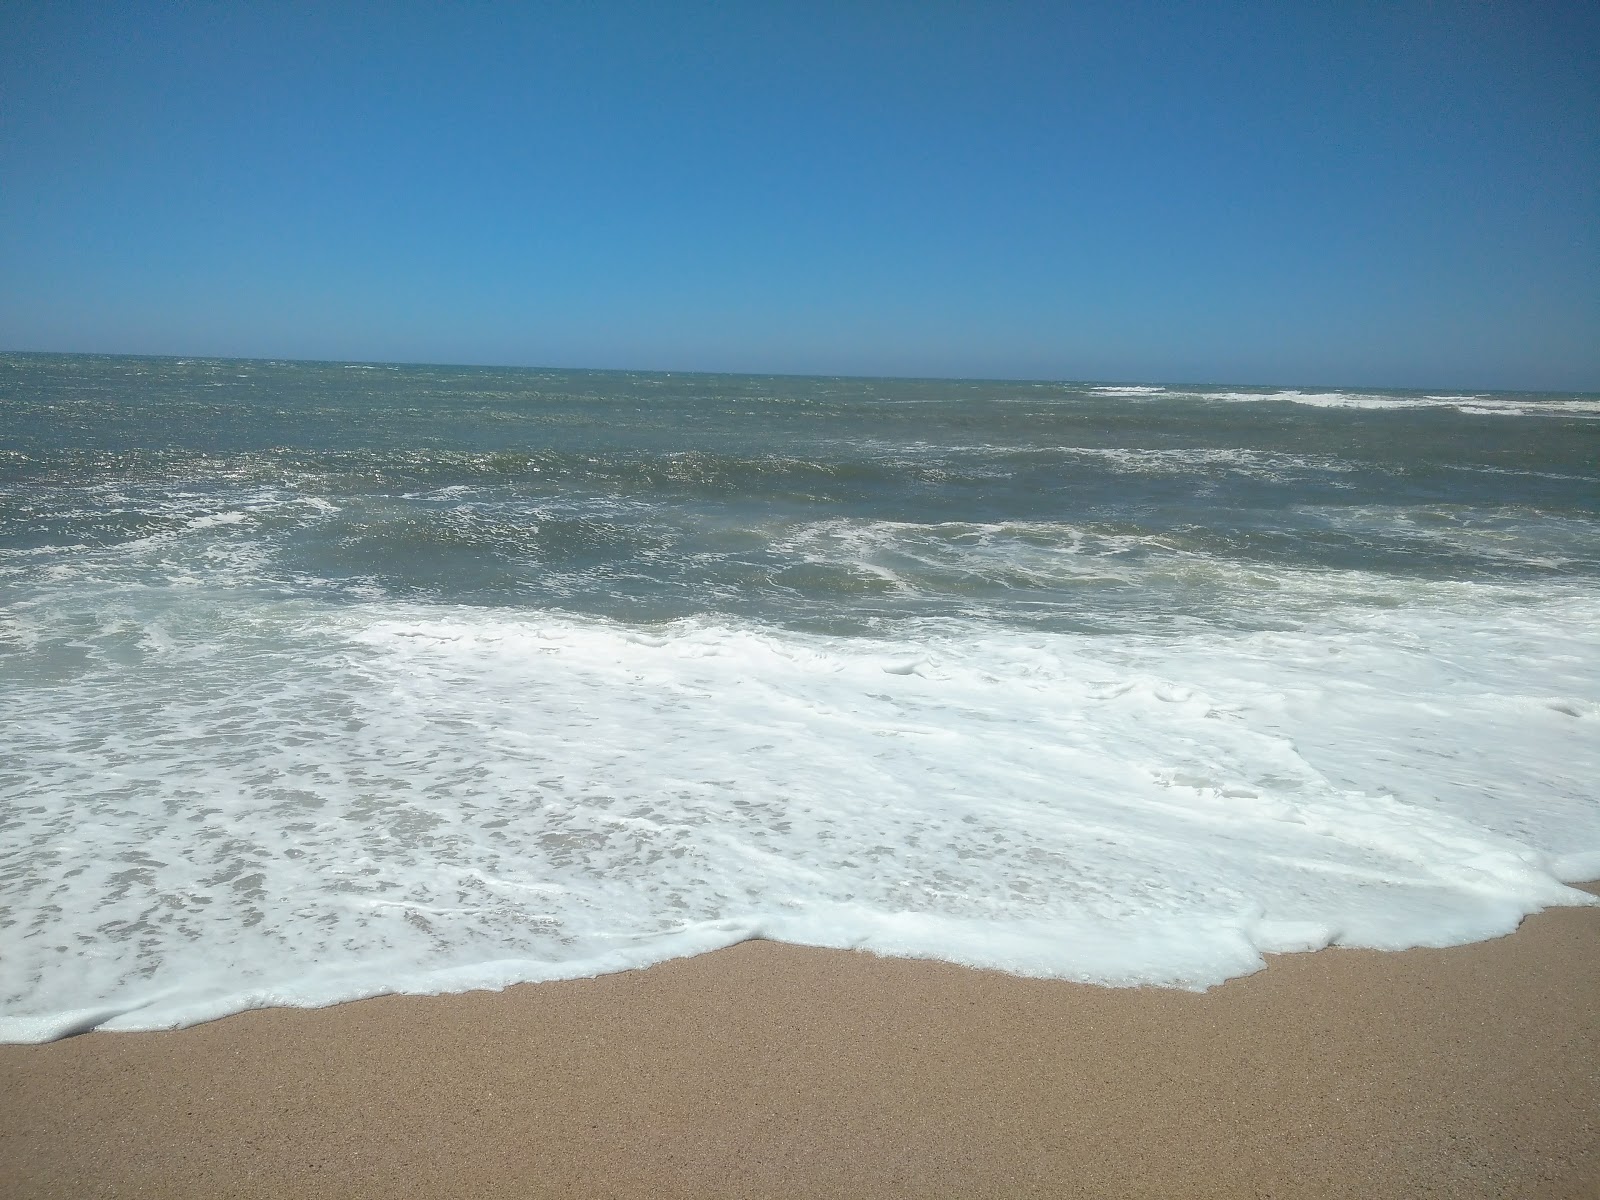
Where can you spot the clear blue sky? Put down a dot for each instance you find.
(1339, 193)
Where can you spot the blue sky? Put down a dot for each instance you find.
(1359, 194)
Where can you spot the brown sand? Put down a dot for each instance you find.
(770, 1070)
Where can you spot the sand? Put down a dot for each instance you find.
(770, 1070)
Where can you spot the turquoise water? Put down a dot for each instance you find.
(327, 679)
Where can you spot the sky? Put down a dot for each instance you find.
(1386, 194)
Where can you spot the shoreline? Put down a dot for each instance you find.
(775, 1070)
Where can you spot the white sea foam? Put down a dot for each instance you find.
(1475, 405)
(216, 807)
(1262, 464)
(1165, 460)
(1156, 571)
(210, 520)
(1322, 399)
(1014, 552)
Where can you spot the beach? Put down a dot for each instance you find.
(640, 602)
(775, 1070)
(466, 781)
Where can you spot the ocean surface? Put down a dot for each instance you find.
(319, 681)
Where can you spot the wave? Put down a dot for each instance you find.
(1373, 401)
(437, 799)
(1476, 403)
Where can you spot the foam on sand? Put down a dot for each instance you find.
(329, 802)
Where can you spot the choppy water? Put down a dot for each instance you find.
(318, 681)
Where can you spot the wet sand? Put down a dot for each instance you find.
(770, 1070)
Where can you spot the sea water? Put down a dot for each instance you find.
(319, 681)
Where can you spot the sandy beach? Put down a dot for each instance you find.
(772, 1070)
(650, 511)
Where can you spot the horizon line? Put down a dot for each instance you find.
(1035, 379)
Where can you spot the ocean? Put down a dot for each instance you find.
(321, 681)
